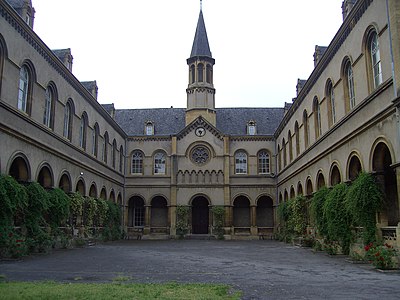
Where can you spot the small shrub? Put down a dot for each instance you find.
(219, 214)
(381, 256)
(182, 226)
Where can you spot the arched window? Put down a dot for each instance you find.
(149, 128)
(114, 153)
(330, 95)
(279, 158)
(137, 162)
(251, 128)
(240, 162)
(192, 74)
(306, 126)
(83, 131)
(375, 58)
(290, 145)
(159, 163)
(49, 107)
(349, 89)
(263, 162)
(209, 73)
(296, 133)
(95, 139)
(317, 118)
(23, 89)
(68, 112)
(121, 159)
(105, 147)
(200, 69)
(284, 152)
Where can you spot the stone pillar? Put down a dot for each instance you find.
(227, 190)
(253, 220)
(174, 189)
(147, 215)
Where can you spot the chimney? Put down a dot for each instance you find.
(299, 86)
(347, 6)
(65, 56)
(91, 86)
(319, 52)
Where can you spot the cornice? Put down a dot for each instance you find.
(149, 138)
(264, 138)
(11, 16)
(344, 31)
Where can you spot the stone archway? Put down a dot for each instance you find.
(159, 212)
(80, 187)
(200, 215)
(65, 183)
(136, 212)
(354, 167)
(19, 169)
(45, 178)
(386, 177)
(241, 212)
(335, 176)
(265, 212)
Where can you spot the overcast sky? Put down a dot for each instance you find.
(137, 50)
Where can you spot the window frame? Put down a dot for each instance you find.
(83, 131)
(264, 162)
(241, 161)
(68, 115)
(159, 163)
(23, 89)
(375, 59)
(137, 163)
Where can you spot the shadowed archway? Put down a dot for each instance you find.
(200, 215)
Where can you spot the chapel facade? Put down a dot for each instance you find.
(344, 119)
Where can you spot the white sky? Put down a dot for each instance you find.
(137, 50)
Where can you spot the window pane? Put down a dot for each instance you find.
(159, 163)
(23, 89)
(47, 108)
(241, 163)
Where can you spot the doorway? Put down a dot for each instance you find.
(200, 215)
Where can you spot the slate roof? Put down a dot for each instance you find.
(16, 3)
(61, 53)
(200, 43)
(170, 121)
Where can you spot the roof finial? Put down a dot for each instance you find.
(201, 4)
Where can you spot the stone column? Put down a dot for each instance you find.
(174, 189)
(147, 215)
(253, 219)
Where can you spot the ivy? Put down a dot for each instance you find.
(13, 200)
(219, 214)
(298, 218)
(112, 229)
(101, 211)
(338, 219)
(76, 206)
(182, 226)
(363, 200)
(90, 210)
(58, 207)
(317, 210)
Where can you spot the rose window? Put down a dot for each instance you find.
(200, 155)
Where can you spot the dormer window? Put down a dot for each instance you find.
(149, 128)
(28, 19)
(251, 128)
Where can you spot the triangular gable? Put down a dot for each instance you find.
(200, 122)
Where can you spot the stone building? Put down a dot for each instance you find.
(344, 119)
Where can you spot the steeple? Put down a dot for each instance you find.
(200, 91)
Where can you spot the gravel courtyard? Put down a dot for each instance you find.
(260, 269)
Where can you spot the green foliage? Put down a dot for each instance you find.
(381, 256)
(182, 220)
(283, 212)
(13, 200)
(337, 218)
(317, 210)
(89, 211)
(363, 200)
(101, 211)
(76, 206)
(112, 225)
(297, 221)
(58, 207)
(219, 215)
(12, 243)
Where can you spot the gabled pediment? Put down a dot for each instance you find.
(198, 124)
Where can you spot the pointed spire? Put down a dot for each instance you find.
(200, 43)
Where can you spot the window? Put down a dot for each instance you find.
(95, 139)
(263, 162)
(279, 158)
(251, 128)
(209, 74)
(330, 94)
(105, 147)
(192, 74)
(23, 89)
(159, 163)
(83, 131)
(317, 117)
(113, 153)
(296, 133)
(290, 145)
(284, 152)
(240, 163)
(375, 57)
(149, 128)
(137, 163)
(306, 129)
(200, 68)
(48, 102)
(121, 158)
(67, 120)
(350, 85)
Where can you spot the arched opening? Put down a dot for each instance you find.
(80, 187)
(292, 193)
(299, 189)
(335, 176)
(354, 167)
(280, 198)
(93, 191)
(200, 215)
(241, 212)
(19, 169)
(286, 196)
(112, 196)
(309, 187)
(320, 181)
(65, 183)
(159, 213)
(103, 194)
(136, 212)
(45, 178)
(386, 177)
(265, 212)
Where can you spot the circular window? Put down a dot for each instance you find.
(200, 155)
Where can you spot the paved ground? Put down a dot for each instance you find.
(261, 269)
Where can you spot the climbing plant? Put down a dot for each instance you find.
(89, 211)
(112, 223)
(363, 200)
(337, 217)
(317, 210)
(13, 200)
(58, 210)
(219, 214)
(182, 220)
(101, 211)
(297, 221)
(76, 206)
